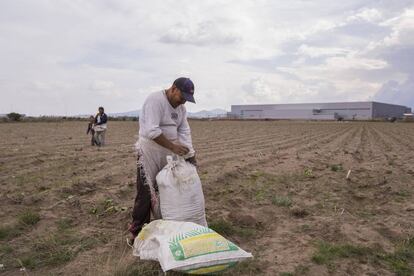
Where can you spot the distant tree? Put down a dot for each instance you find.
(13, 116)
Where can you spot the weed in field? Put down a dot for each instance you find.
(248, 267)
(203, 175)
(257, 174)
(308, 172)
(282, 201)
(403, 193)
(299, 271)
(400, 261)
(222, 227)
(64, 224)
(147, 268)
(260, 195)
(56, 249)
(28, 218)
(226, 228)
(305, 228)
(6, 232)
(105, 207)
(337, 168)
(5, 249)
(329, 252)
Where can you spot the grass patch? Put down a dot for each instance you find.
(50, 251)
(222, 227)
(28, 218)
(64, 224)
(56, 249)
(400, 261)
(7, 232)
(403, 193)
(299, 271)
(226, 228)
(282, 201)
(146, 268)
(260, 196)
(328, 252)
(337, 168)
(5, 249)
(248, 267)
(305, 228)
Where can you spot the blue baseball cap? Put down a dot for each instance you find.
(186, 87)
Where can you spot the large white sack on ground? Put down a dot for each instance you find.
(181, 193)
(186, 247)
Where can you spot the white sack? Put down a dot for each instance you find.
(181, 193)
(186, 247)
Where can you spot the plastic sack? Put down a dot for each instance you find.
(187, 247)
(181, 193)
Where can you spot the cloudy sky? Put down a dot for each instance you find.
(68, 57)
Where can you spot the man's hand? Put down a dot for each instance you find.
(175, 148)
(179, 149)
(192, 160)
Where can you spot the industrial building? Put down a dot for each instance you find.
(320, 111)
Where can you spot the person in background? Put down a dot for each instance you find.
(91, 130)
(163, 130)
(100, 127)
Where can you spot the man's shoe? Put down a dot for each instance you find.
(130, 242)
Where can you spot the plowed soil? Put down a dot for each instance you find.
(278, 189)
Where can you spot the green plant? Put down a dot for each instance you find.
(226, 228)
(336, 167)
(5, 249)
(56, 249)
(5, 232)
(399, 261)
(221, 226)
(402, 259)
(308, 172)
(28, 217)
(64, 224)
(403, 193)
(328, 252)
(282, 201)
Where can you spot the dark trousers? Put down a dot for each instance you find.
(93, 142)
(141, 213)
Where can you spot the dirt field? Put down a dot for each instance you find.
(277, 189)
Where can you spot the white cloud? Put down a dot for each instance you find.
(354, 62)
(402, 31)
(369, 15)
(397, 92)
(203, 33)
(314, 52)
(72, 56)
(102, 85)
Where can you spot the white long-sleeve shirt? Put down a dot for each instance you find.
(159, 117)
